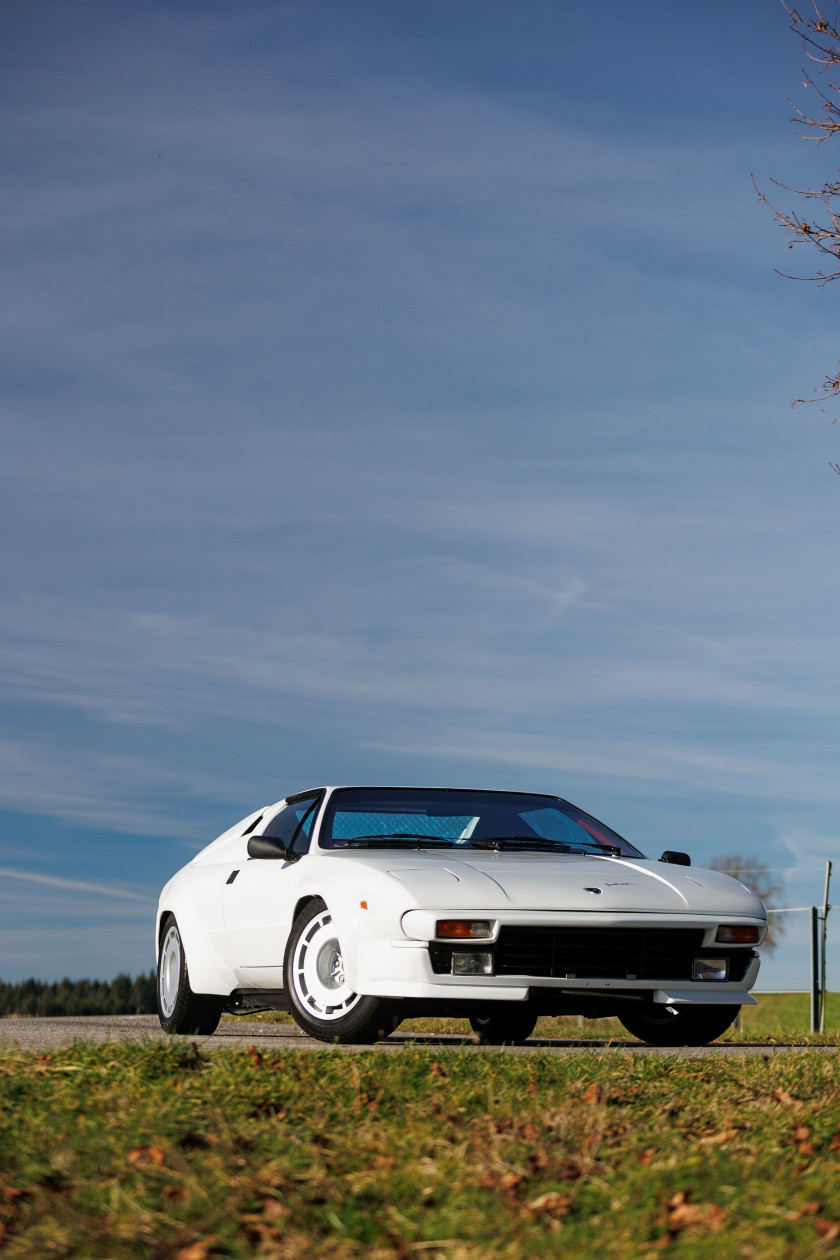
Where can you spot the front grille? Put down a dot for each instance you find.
(597, 953)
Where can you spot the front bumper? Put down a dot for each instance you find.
(418, 969)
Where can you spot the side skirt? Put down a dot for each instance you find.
(242, 1000)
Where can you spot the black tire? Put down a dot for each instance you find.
(680, 1025)
(179, 1009)
(504, 1022)
(313, 974)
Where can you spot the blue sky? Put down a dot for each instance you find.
(401, 393)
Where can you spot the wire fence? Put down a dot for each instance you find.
(818, 943)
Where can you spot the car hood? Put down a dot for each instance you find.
(534, 881)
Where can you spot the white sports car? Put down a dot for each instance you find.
(357, 907)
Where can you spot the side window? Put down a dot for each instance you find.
(294, 824)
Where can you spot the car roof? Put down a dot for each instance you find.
(414, 787)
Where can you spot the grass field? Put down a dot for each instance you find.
(162, 1152)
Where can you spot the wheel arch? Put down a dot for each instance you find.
(207, 971)
(162, 914)
(305, 900)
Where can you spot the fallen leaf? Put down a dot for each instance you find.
(801, 1132)
(808, 1209)
(254, 1055)
(509, 1181)
(274, 1211)
(373, 1104)
(538, 1160)
(195, 1251)
(682, 1214)
(783, 1097)
(175, 1194)
(147, 1154)
(552, 1203)
(718, 1139)
(436, 1069)
(570, 1169)
(529, 1131)
(593, 1093)
(828, 1230)
(646, 1156)
(383, 1161)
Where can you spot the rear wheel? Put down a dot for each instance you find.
(679, 1025)
(322, 1001)
(504, 1022)
(179, 1009)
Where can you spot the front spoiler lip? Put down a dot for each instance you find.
(718, 997)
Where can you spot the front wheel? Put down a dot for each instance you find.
(503, 1022)
(679, 1025)
(322, 1001)
(179, 1009)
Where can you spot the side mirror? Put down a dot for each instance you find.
(673, 856)
(267, 847)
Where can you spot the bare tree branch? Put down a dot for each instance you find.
(757, 876)
(820, 39)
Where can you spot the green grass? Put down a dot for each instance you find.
(786, 1015)
(778, 1017)
(159, 1151)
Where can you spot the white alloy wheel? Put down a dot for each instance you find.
(318, 972)
(170, 972)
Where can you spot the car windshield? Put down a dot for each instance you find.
(446, 818)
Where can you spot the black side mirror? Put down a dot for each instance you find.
(670, 855)
(267, 847)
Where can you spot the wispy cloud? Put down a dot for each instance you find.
(75, 885)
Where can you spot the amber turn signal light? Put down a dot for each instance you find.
(738, 934)
(464, 929)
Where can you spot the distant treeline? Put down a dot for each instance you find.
(122, 996)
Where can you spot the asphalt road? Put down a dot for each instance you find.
(49, 1034)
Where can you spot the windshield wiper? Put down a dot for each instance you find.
(517, 842)
(394, 840)
(538, 843)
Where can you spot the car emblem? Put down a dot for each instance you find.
(592, 890)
